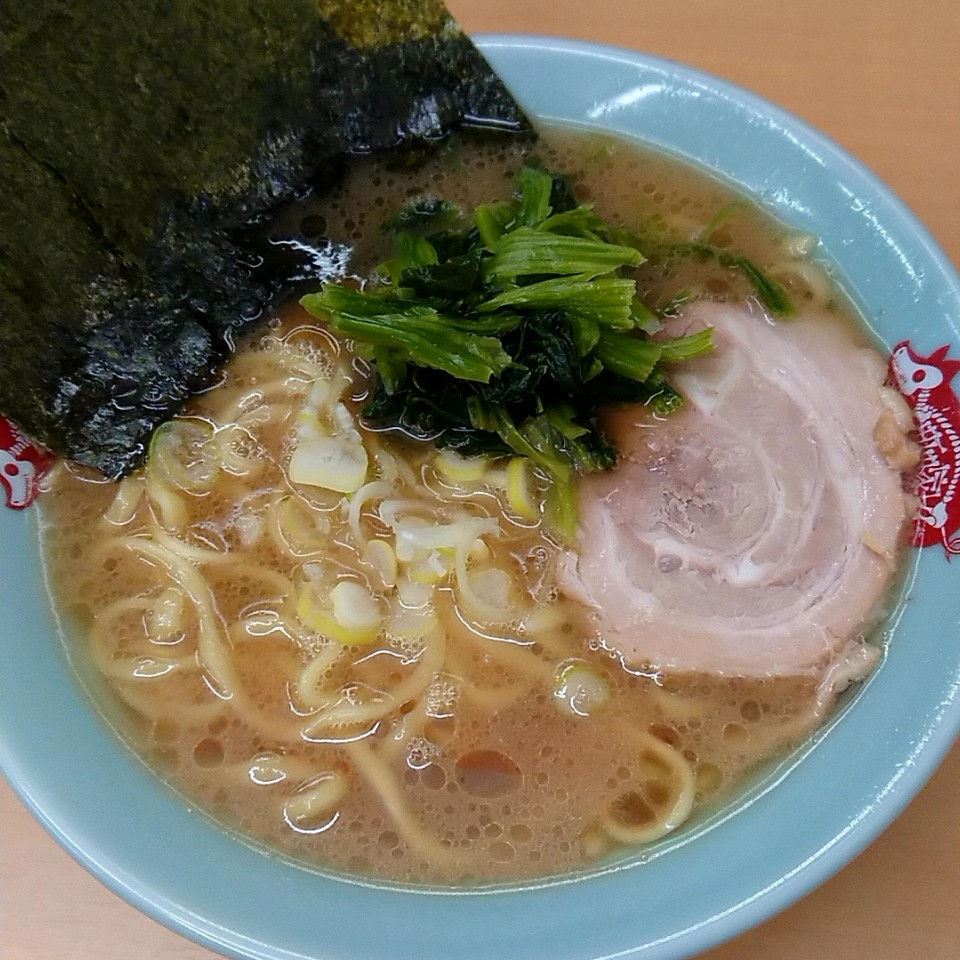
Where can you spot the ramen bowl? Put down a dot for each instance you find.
(711, 880)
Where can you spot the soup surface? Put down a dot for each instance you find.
(389, 681)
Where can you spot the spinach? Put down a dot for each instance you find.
(768, 291)
(504, 333)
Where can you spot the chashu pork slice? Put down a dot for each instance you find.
(754, 533)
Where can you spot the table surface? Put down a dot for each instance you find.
(882, 77)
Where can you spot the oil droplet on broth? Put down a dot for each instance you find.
(488, 773)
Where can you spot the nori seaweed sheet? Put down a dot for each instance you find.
(139, 140)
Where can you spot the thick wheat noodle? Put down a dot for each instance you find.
(389, 467)
(318, 797)
(173, 513)
(275, 530)
(333, 713)
(211, 646)
(385, 785)
(125, 668)
(489, 697)
(475, 605)
(518, 659)
(217, 558)
(555, 646)
(232, 401)
(213, 649)
(127, 500)
(237, 405)
(494, 698)
(103, 650)
(190, 552)
(308, 681)
(668, 814)
(408, 726)
(369, 491)
(231, 487)
(319, 711)
(214, 657)
(103, 640)
(262, 416)
(184, 715)
(287, 768)
(548, 628)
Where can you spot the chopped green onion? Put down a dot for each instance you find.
(184, 452)
(578, 689)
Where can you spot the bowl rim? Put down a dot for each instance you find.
(735, 876)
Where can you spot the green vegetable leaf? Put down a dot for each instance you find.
(771, 294)
(449, 280)
(504, 333)
(579, 222)
(607, 300)
(686, 348)
(526, 252)
(492, 220)
(413, 251)
(426, 336)
(534, 188)
(628, 356)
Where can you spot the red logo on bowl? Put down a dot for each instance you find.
(925, 382)
(22, 464)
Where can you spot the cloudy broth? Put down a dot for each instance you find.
(483, 772)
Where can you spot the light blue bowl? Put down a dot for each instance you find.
(803, 822)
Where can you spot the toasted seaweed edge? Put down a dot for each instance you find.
(123, 303)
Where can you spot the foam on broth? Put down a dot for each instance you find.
(507, 789)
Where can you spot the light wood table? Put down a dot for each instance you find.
(882, 77)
